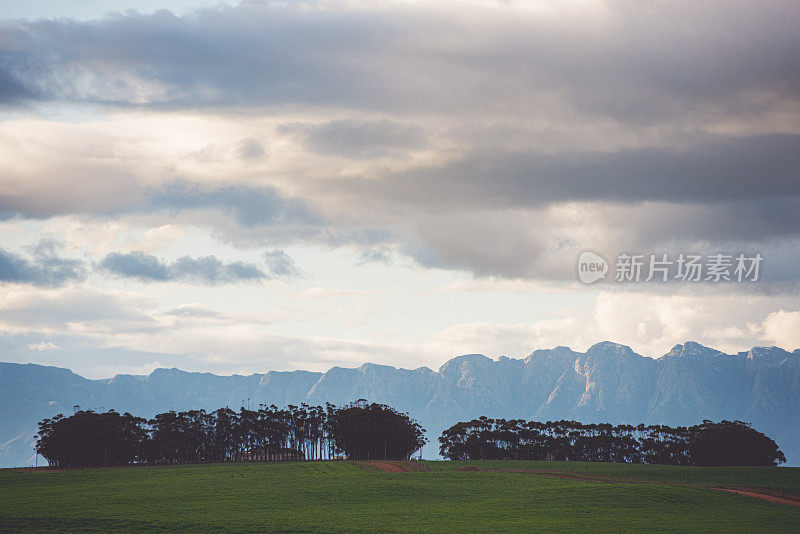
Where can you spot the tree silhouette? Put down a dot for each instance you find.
(732, 443)
(375, 431)
(724, 443)
(268, 434)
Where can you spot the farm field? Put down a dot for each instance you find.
(346, 497)
(769, 479)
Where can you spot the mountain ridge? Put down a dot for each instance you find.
(607, 383)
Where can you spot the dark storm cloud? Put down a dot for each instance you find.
(635, 62)
(45, 268)
(207, 270)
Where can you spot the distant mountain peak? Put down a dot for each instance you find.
(161, 371)
(465, 359)
(691, 348)
(768, 355)
(559, 352)
(609, 348)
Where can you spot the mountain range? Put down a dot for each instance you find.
(607, 383)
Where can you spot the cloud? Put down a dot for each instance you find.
(207, 270)
(77, 310)
(382, 255)
(135, 265)
(45, 345)
(210, 270)
(93, 329)
(359, 138)
(280, 264)
(632, 62)
(501, 140)
(12, 91)
(719, 169)
(251, 149)
(46, 268)
(782, 328)
(116, 167)
(650, 324)
(193, 311)
(250, 206)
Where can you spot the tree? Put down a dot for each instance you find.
(724, 443)
(732, 443)
(88, 439)
(269, 434)
(375, 431)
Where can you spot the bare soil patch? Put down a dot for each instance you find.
(762, 496)
(573, 476)
(402, 466)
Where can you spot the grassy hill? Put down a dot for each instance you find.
(344, 497)
(777, 480)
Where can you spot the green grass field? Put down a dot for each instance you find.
(774, 480)
(342, 497)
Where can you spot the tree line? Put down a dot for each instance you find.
(706, 444)
(359, 431)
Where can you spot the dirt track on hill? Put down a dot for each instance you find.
(763, 496)
(573, 476)
(787, 500)
(403, 466)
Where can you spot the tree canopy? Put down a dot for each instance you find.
(363, 431)
(732, 443)
(375, 431)
(724, 443)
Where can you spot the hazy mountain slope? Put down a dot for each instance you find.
(608, 383)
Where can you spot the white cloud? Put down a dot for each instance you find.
(45, 345)
(650, 324)
(782, 328)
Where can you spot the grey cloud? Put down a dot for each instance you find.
(720, 169)
(358, 138)
(257, 208)
(738, 194)
(249, 206)
(208, 269)
(135, 265)
(544, 243)
(12, 91)
(368, 236)
(639, 68)
(280, 264)
(738, 221)
(251, 149)
(631, 61)
(45, 268)
(381, 255)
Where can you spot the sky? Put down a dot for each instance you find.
(255, 186)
